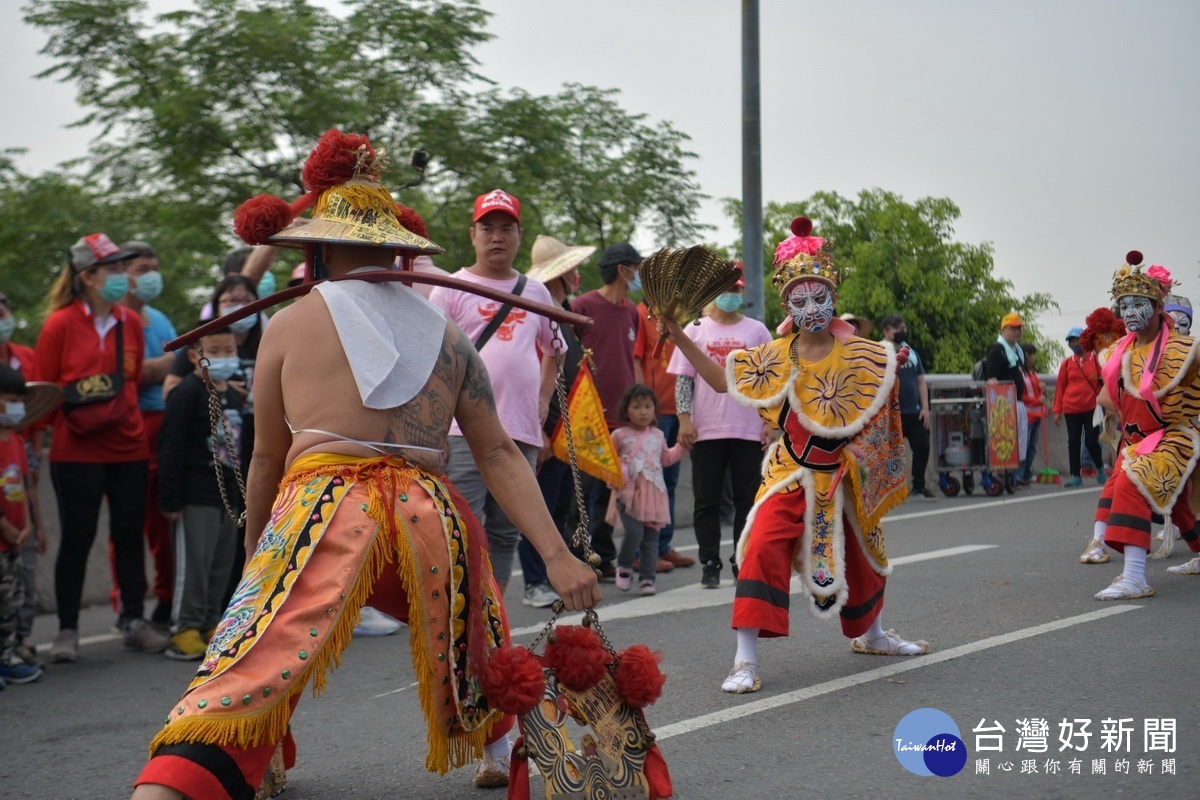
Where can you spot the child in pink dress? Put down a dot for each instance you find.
(641, 504)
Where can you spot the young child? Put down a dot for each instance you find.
(16, 526)
(189, 496)
(641, 503)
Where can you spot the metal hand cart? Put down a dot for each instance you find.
(959, 421)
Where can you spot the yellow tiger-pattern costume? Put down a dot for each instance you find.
(840, 424)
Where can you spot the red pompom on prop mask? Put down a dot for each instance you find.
(412, 221)
(261, 217)
(638, 678)
(336, 159)
(512, 680)
(577, 656)
(1133, 258)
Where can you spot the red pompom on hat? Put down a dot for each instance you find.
(411, 220)
(261, 217)
(802, 226)
(638, 678)
(1133, 258)
(577, 656)
(512, 680)
(332, 162)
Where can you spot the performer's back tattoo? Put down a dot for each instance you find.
(458, 375)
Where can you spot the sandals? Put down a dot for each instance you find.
(742, 679)
(492, 774)
(892, 646)
(1189, 568)
(1123, 589)
(1094, 553)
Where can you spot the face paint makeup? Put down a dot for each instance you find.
(1183, 323)
(810, 304)
(1135, 312)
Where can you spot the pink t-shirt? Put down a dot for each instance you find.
(511, 355)
(716, 415)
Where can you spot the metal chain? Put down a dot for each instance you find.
(221, 428)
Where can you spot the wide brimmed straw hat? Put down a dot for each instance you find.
(349, 204)
(41, 398)
(864, 325)
(552, 258)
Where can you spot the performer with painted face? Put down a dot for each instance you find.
(1150, 382)
(835, 471)
(1180, 309)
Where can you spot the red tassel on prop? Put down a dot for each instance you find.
(411, 220)
(1133, 258)
(332, 161)
(512, 680)
(518, 773)
(577, 656)
(638, 678)
(261, 217)
(657, 775)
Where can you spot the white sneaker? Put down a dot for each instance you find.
(1190, 568)
(374, 622)
(539, 595)
(742, 679)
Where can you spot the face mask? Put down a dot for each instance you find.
(901, 333)
(222, 369)
(13, 414)
(1183, 323)
(635, 285)
(149, 286)
(7, 326)
(729, 302)
(1077, 349)
(242, 325)
(1135, 312)
(811, 306)
(115, 287)
(266, 286)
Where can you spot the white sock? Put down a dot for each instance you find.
(747, 641)
(1098, 531)
(501, 748)
(1135, 565)
(876, 633)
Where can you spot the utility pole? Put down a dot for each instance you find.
(752, 222)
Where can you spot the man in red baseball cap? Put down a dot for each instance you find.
(498, 201)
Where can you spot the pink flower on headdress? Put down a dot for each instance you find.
(1162, 275)
(794, 245)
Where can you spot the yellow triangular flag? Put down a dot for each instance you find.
(594, 448)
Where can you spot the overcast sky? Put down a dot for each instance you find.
(1066, 131)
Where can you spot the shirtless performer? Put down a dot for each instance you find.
(356, 386)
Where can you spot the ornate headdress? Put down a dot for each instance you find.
(803, 256)
(1131, 280)
(349, 204)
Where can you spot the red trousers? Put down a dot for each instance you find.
(155, 530)
(762, 596)
(214, 772)
(1129, 516)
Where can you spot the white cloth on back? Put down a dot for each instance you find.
(391, 335)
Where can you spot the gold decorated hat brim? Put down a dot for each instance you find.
(562, 263)
(379, 234)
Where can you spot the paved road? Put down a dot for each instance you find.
(993, 585)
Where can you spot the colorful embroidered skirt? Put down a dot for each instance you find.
(338, 525)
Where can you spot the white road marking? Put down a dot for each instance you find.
(395, 691)
(900, 665)
(694, 595)
(97, 639)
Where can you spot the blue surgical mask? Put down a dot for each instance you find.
(149, 286)
(242, 325)
(1077, 349)
(7, 326)
(729, 302)
(635, 285)
(266, 286)
(222, 369)
(115, 287)
(13, 414)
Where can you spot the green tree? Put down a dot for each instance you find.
(218, 102)
(904, 260)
